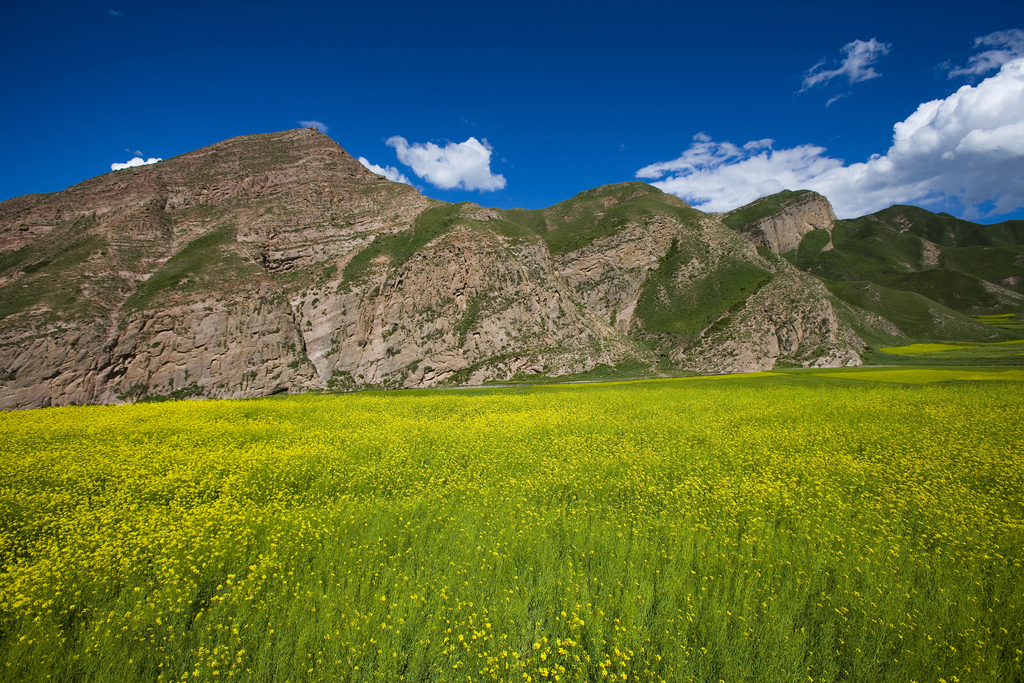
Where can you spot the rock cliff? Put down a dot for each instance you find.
(780, 221)
(277, 262)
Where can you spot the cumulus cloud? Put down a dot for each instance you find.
(389, 172)
(967, 149)
(313, 124)
(1009, 44)
(464, 165)
(135, 161)
(856, 67)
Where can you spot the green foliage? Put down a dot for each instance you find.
(1008, 353)
(951, 288)
(191, 390)
(1006, 321)
(341, 380)
(914, 314)
(810, 248)
(529, 219)
(469, 318)
(207, 264)
(886, 249)
(771, 528)
(947, 230)
(52, 267)
(744, 217)
(399, 247)
(685, 306)
(995, 264)
(602, 212)
(865, 249)
(630, 370)
(328, 274)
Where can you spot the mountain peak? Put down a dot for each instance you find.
(780, 221)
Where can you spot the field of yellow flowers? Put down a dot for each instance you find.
(766, 529)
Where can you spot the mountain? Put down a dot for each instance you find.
(928, 273)
(277, 262)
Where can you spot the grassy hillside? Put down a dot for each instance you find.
(928, 273)
(600, 212)
(957, 268)
(685, 306)
(914, 314)
(745, 216)
(50, 276)
(836, 525)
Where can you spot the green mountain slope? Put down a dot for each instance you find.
(929, 273)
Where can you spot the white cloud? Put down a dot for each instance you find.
(135, 161)
(860, 55)
(464, 165)
(113, 12)
(837, 97)
(313, 124)
(389, 172)
(967, 148)
(1011, 41)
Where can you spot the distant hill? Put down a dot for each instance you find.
(957, 268)
(278, 263)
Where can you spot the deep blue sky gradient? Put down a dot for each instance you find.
(570, 95)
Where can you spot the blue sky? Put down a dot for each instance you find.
(528, 103)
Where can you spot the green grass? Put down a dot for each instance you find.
(928, 375)
(917, 316)
(1005, 321)
(206, 265)
(923, 348)
(399, 247)
(684, 307)
(885, 249)
(745, 216)
(810, 248)
(779, 527)
(954, 289)
(601, 212)
(947, 230)
(627, 371)
(994, 264)
(996, 354)
(52, 272)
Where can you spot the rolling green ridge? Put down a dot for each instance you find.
(936, 291)
(593, 214)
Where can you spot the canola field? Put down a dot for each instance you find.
(765, 529)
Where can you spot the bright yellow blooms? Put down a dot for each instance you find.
(748, 530)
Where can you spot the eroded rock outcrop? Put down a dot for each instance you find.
(278, 263)
(780, 221)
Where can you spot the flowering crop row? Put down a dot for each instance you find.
(676, 531)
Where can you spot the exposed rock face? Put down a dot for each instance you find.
(278, 263)
(791, 320)
(249, 345)
(789, 216)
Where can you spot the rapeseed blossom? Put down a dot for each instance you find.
(676, 531)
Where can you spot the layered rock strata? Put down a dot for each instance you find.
(277, 263)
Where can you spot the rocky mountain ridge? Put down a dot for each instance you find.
(277, 262)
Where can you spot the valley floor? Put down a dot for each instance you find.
(847, 524)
